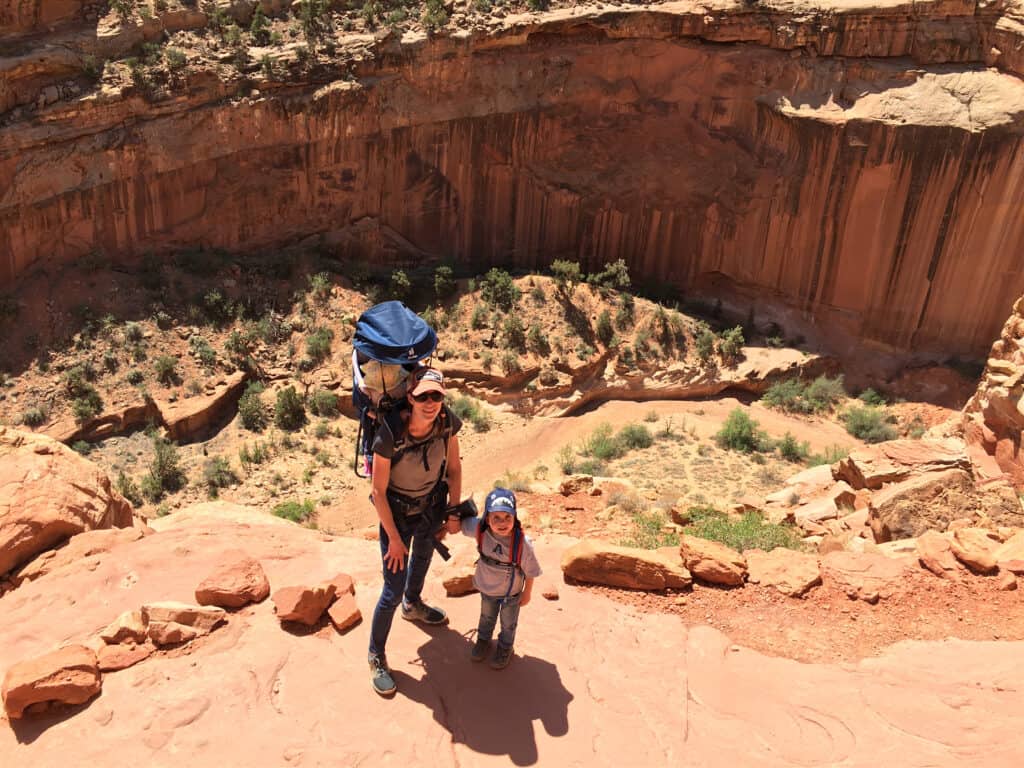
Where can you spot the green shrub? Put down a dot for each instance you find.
(567, 275)
(399, 287)
(787, 396)
(203, 351)
(830, 455)
(510, 363)
(705, 344)
(297, 512)
(593, 467)
(34, 416)
(870, 397)
(567, 460)
(730, 346)
(478, 321)
(537, 341)
(498, 289)
(741, 433)
(81, 447)
(134, 376)
(514, 333)
(128, 488)
(251, 410)
(635, 436)
(868, 424)
(319, 284)
(217, 474)
(468, 409)
(792, 450)
(87, 404)
(603, 444)
(257, 454)
(444, 282)
(614, 275)
(164, 471)
(649, 532)
(133, 333)
(324, 403)
(605, 331)
(318, 343)
(626, 313)
(289, 412)
(751, 531)
(166, 368)
(517, 482)
(824, 393)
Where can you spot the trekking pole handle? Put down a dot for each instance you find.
(463, 509)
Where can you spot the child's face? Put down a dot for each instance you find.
(501, 522)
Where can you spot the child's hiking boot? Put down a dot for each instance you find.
(480, 649)
(502, 657)
(423, 613)
(380, 676)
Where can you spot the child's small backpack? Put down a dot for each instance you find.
(390, 342)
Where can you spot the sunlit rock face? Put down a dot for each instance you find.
(863, 168)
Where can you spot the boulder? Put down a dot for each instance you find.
(896, 460)
(344, 613)
(975, 548)
(792, 573)
(191, 418)
(69, 675)
(935, 553)
(816, 511)
(713, 562)
(303, 604)
(1006, 581)
(576, 484)
(1011, 551)
(48, 493)
(867, 576)
(343, 583)
(924, 502)
(112, 658)
(457, 576)
(80, 548)
(170, 623)
(597, 562)
(237, 581)
(128, 627)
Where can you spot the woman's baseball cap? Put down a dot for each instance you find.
(427, 380)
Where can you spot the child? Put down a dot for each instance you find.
(504, 572)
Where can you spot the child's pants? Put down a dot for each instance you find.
(490, 609)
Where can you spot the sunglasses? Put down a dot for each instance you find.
(433, 395)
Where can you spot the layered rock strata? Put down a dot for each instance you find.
(857, 165)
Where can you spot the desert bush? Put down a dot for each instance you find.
(649, 531)
(252, 412)
(705, 344)
(87, 404)
(257, 454)
(478, 320)
(444, 282)
(830, 455)
(319, 285)
(166, 368)
(537, 341)
(289, 412)
(399, 286)
(605, 331)
(741, 433)
(510, 363)
(165, 473)
(792, 450)
(318, 343)
(868, 424)
(34, 416)
(133, 332)
(498, 289)
(730, 344)
(128, 488)
(635, 436)
(217, 474)
(567, 275)
(297, 512)
(134, 376)
(324, 403)
(468, 409)
(871, 397)
(603, 444)
(824, 393)
(615, 275)
(81, 447)
(750, 531)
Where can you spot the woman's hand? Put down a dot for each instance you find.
(394, 560)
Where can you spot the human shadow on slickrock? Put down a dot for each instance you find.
(490, 711)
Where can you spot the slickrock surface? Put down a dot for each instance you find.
(594, 682)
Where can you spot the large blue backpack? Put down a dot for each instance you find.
(390, 342)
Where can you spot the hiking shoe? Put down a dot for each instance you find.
(423, 613)
(502, 657)
(380, 676)
(480, 649)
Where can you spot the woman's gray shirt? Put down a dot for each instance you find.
(417, 467)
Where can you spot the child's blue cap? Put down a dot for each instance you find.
(500, 500)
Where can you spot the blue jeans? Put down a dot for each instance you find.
(493, 607)
(407, 581)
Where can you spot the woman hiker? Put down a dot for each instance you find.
(417, 474)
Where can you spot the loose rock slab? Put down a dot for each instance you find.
(238, 581)
(792, 573)
(597, 562)
(868, 576)
(713, 562)
(69, 675)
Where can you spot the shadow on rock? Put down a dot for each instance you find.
(490, 711)
(39, 718)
